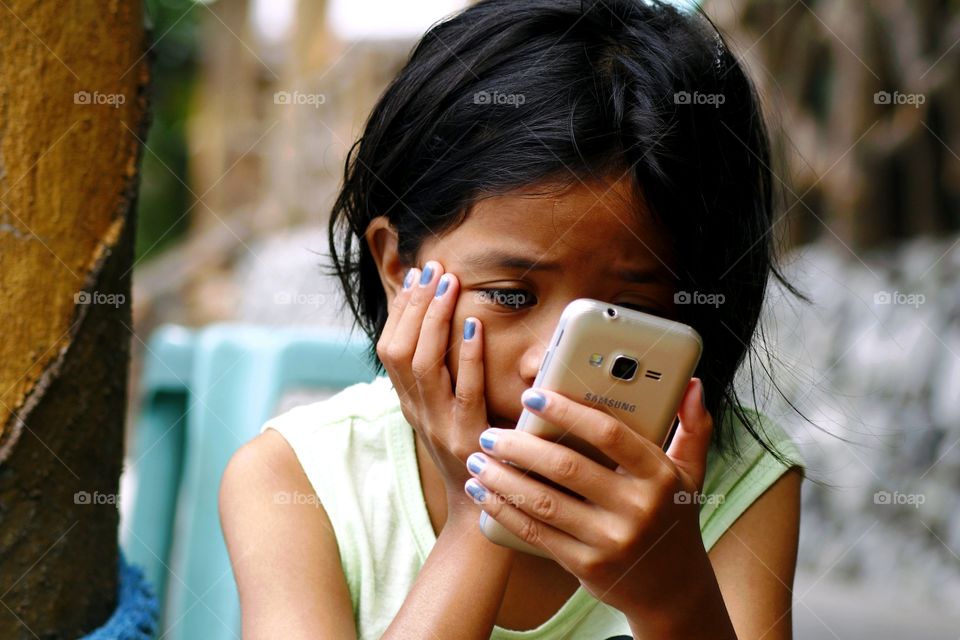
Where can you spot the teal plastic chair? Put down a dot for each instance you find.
(205, 392)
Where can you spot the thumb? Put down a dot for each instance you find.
(690, 443)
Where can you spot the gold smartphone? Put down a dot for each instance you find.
(632, 365)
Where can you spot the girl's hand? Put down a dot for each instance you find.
(413, 348)
(635, 541)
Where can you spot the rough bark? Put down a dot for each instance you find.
(72, 112)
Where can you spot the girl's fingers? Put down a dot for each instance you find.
(638, 455)
(547, 504)
(555, 462)
(396, 306)
(429, 359)
(406, 335)
(690, 444)
(565, 549)
(470, 406)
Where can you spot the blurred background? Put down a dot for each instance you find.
(255, 103)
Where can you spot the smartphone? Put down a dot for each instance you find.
(632, 365)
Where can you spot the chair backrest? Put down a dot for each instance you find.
(205, 392)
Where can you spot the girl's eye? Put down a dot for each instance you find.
(509, 298)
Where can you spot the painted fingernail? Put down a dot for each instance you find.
(476, 463)
(487, 439)
(427, 274)
(469, 328)
(476, 490)
(483, 518)
(533, 400)
(442, 287)
(408, 279)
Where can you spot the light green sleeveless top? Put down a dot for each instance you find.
(358, 452)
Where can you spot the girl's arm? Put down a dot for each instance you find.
(282, 548)
(755, 561)
(459, 588)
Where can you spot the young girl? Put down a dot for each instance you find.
(532, 152)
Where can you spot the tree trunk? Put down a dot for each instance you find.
(72, 113)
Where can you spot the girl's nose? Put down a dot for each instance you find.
(530, 364)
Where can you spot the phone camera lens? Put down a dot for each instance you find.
(624, 368)
(611, 312)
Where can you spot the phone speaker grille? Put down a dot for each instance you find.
(653, 375)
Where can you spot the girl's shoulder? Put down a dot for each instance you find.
(739, 474)
(362, 402)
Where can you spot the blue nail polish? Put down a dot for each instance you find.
(408, 279)
(476, 490)
(487, 439)
(534, 400)
(469, 328)
(476, 462)
(442, 288)
(426, 275)
(483, 518)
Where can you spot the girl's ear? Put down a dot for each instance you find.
(382, 239)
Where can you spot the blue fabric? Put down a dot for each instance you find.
(137, 608)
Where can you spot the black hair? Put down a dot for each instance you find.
(511, 93)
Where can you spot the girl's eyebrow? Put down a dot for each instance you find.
(497, 258)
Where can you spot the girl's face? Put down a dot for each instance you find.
(521, 258)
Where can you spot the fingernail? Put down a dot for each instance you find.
(483, 518)
(476, 463)
(487, 439)
(533, 400)
(427, 274)
(469, 328)
(442, 287)
(476, 490)
(408, 279)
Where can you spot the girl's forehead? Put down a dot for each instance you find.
(587, 220)
(598, 211)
